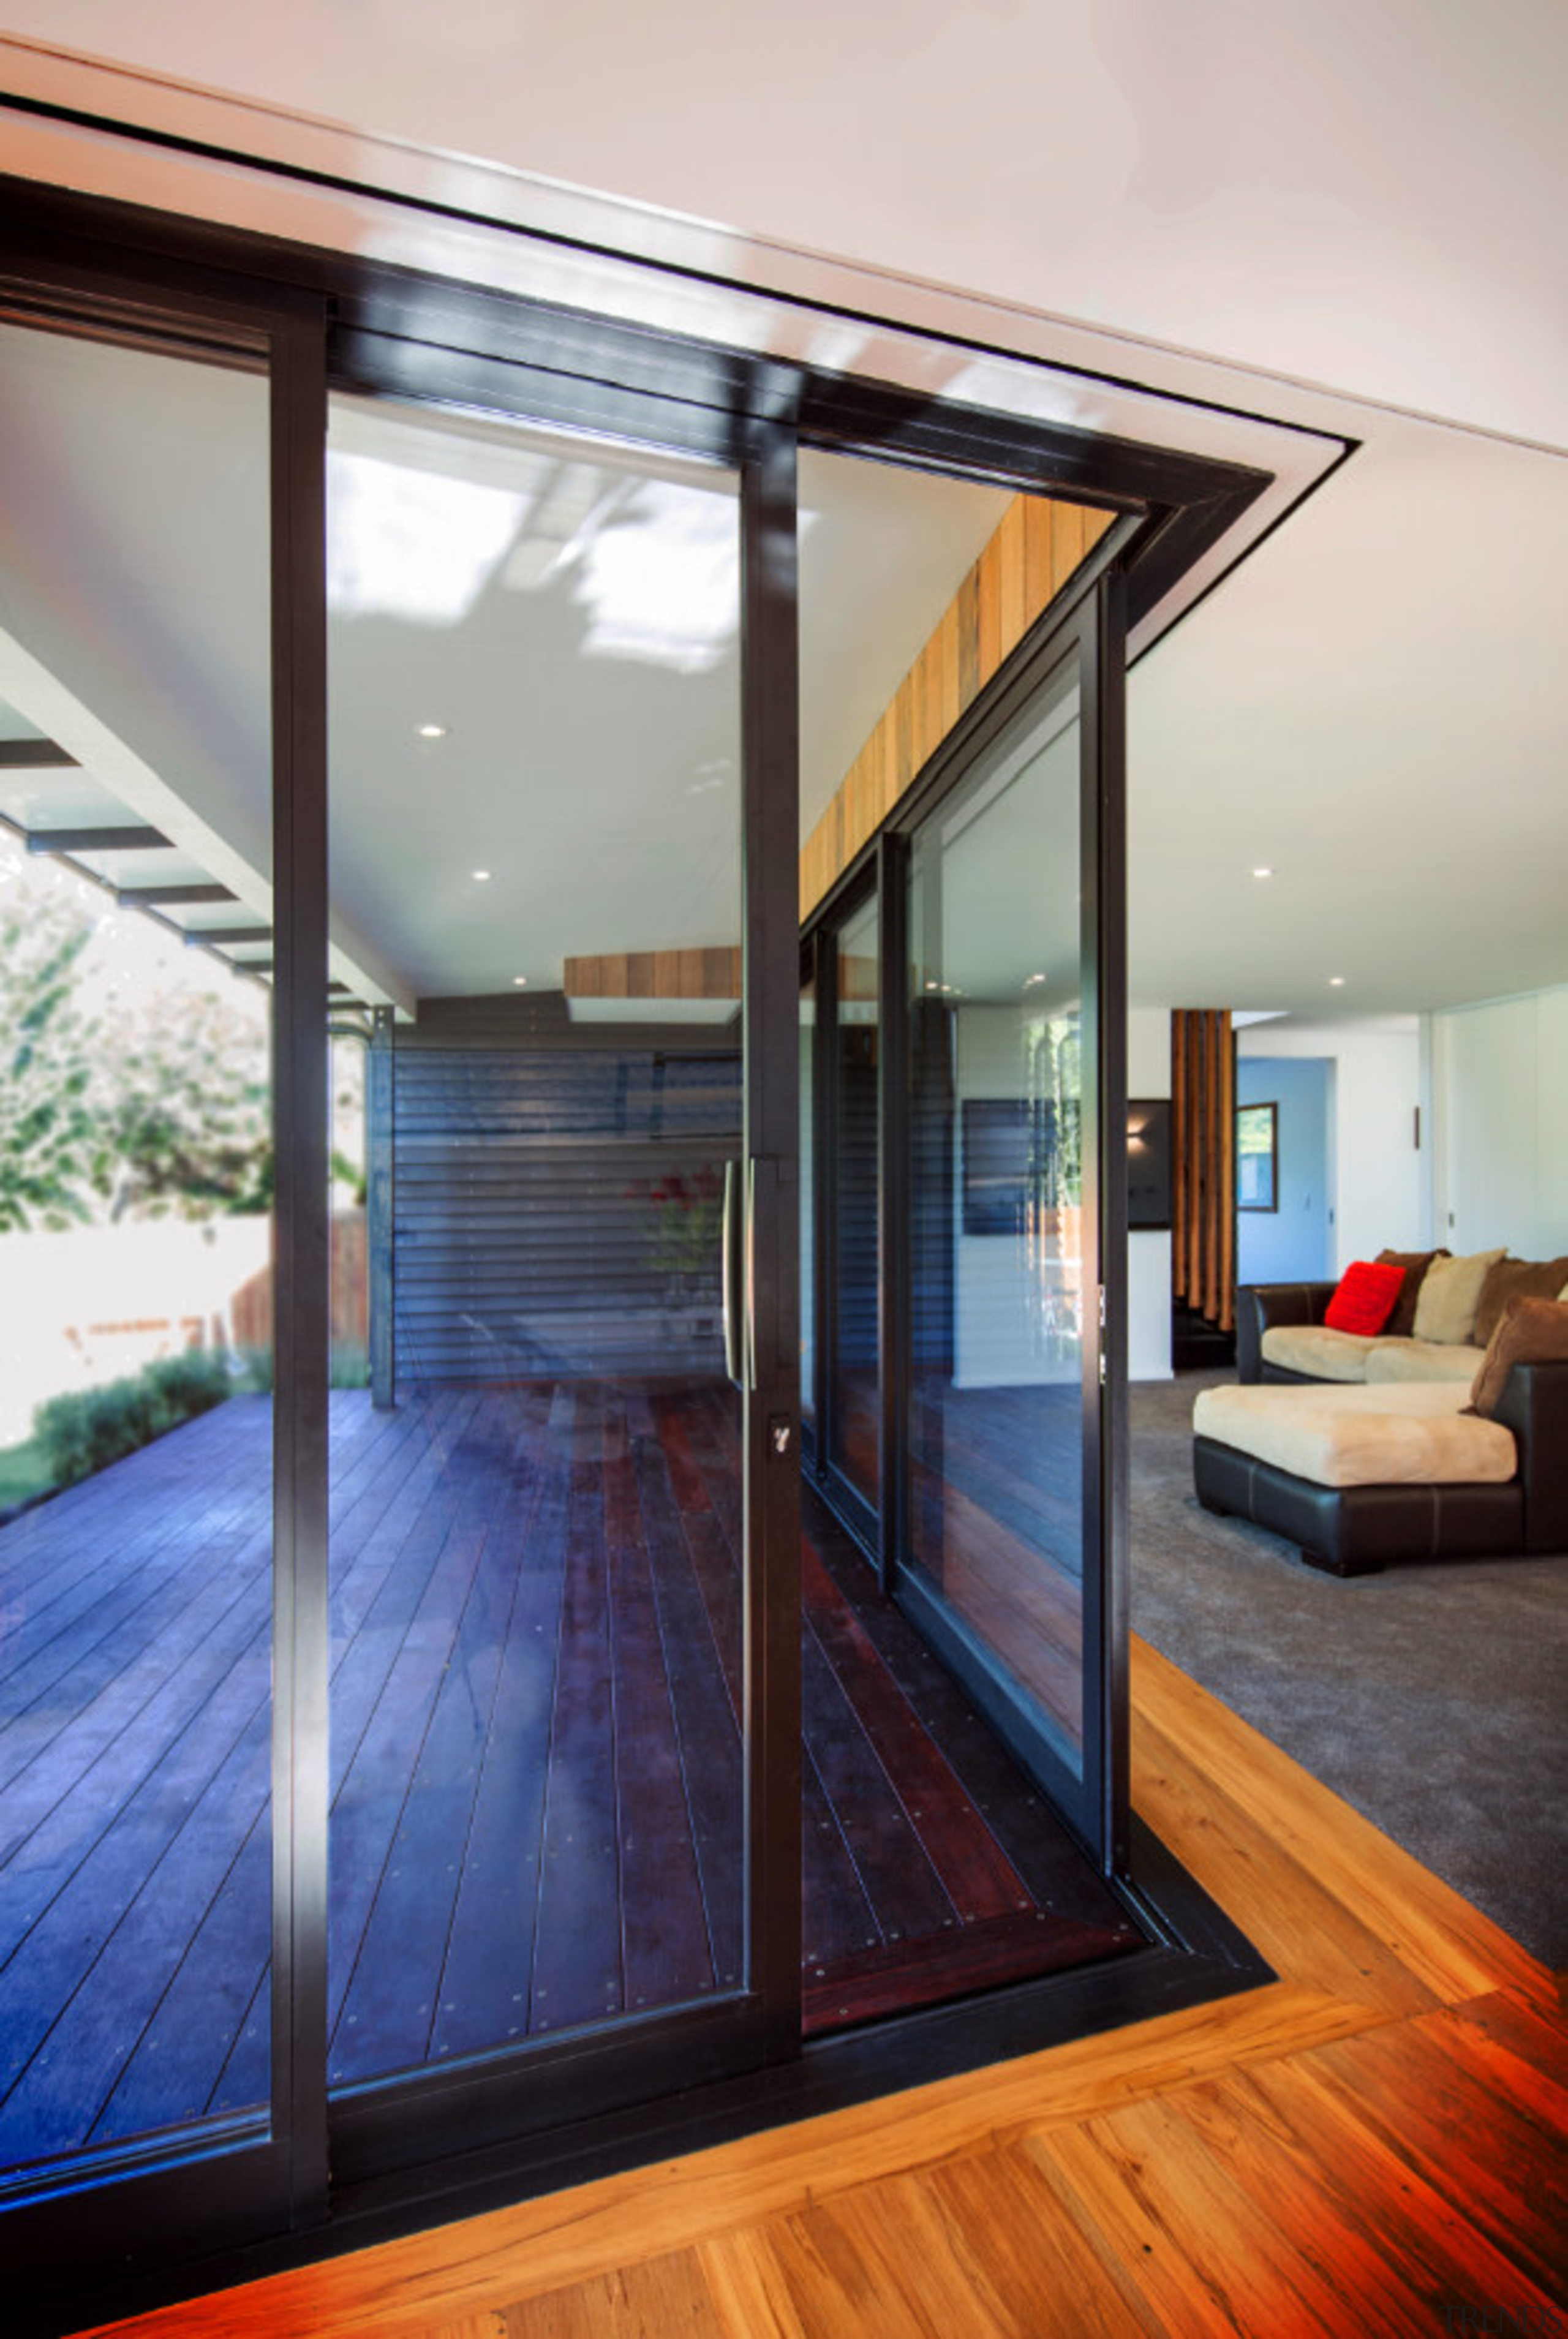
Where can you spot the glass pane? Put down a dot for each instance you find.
(135, 1240)
(536, 1516)
(996, 1113)
(855, 1380)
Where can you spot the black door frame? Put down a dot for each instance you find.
(327, 318)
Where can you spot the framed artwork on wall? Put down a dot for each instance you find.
(1257, 1157)
(1148, 1163)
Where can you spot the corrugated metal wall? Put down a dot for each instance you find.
(556, 1204)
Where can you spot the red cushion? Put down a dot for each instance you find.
(1365, 1298)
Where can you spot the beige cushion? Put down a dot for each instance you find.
(1420, 1360)
(1402, 1323)
(1314, 1348)
(1532, 1332)
(1411, 1436)
(1514, 1278)
(1450, 1295)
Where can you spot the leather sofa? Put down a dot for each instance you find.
(1356, 1530)
(1263, 1307)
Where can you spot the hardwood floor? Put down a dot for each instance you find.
(1373, 2143)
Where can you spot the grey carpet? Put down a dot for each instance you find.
(1433, 1698)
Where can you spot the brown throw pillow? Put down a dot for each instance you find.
(1532, 1332)
(1402, 1323)
(1514, 1278)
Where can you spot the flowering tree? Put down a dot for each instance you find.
(140, 1099)
(54, 1158)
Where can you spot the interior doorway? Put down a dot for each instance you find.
(1285, 1220)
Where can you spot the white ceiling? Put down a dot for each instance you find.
(1349, 219)
(565, 617)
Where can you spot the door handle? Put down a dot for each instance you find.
(737, 1237)
(733, 1283)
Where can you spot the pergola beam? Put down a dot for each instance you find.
(139, 839)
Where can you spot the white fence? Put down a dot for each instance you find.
(85, 1307)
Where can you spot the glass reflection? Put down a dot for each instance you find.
(997, 1213)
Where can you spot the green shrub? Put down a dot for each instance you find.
(87, 1429)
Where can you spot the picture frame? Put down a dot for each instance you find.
(1257, 1157)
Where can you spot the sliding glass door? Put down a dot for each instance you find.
(548, 1634)
(1006, 1518)
(399, 1729)
(971, 1219)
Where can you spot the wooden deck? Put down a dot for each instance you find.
(534, 1754)
(1376, 2142)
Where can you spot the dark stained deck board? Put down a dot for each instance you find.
(903, 1890)
(189, 2046)
(1051, 1868)
(705, 1713)
(405, 1664)
(127, 1589)
(897, 1976)
(577, 1971)
(836, 1918)
(973, 1868)
(385, 2026)
(245, 2078)
(74, 2005)
(76, 1870)
(536, 1756)
(665, 1953)
(483, 1998)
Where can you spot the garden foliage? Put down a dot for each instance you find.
(87, 1429)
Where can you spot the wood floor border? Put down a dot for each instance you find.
(1373, 2139)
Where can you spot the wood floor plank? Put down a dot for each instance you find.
(1405, 2095)
(484, 1988)
(657, 2296)
(836, 1917)
(705, 1719)
(1304, 1926)
(1441, 1940)
(667, 1954)
(970, 2246)
(1185, 2236)
(1007, 1804)
(119, 2036)
(577, 1975)
(906, 1895)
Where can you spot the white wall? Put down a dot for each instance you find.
(1149, 1251)
(1499, 1116)
(1382, 1192)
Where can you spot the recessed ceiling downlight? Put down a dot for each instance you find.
(481, 876)
(432, 730)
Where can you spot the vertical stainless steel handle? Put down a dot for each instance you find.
(730, 1270)
(739, 1278)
